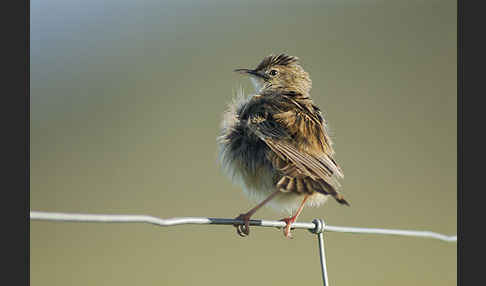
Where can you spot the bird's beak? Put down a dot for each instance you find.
(252, 73)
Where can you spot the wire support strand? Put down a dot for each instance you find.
(120, 218)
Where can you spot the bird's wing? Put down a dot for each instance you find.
(298, 152)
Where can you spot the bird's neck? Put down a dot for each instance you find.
(295, 93)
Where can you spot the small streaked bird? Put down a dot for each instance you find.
(275, 143)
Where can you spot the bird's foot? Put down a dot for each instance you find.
(243, 230)
(289, 221)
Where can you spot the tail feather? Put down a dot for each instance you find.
(328, 189)
(307, 185)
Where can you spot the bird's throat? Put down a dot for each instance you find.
(257, 83)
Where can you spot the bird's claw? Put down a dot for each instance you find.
(243, 230)
(286, 230)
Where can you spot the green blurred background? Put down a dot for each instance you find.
(126, 102)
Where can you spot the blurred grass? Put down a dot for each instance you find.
(126, 100)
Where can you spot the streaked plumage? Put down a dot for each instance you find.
(276, 140)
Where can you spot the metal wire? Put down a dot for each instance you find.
(115, 218)
(322, 256)
(319, 230)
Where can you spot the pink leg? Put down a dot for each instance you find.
(244, 230)
(292, 219)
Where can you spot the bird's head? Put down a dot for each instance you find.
(279, 73)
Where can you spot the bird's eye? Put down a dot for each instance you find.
(273, 72)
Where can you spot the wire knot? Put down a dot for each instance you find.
(320, 224)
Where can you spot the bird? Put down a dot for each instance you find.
(275, 143)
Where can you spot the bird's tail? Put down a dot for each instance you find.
(328, 189)
(307, 185)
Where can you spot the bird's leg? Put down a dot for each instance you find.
(244, 230)
(292, 219)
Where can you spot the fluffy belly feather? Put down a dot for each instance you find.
(259, 184)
